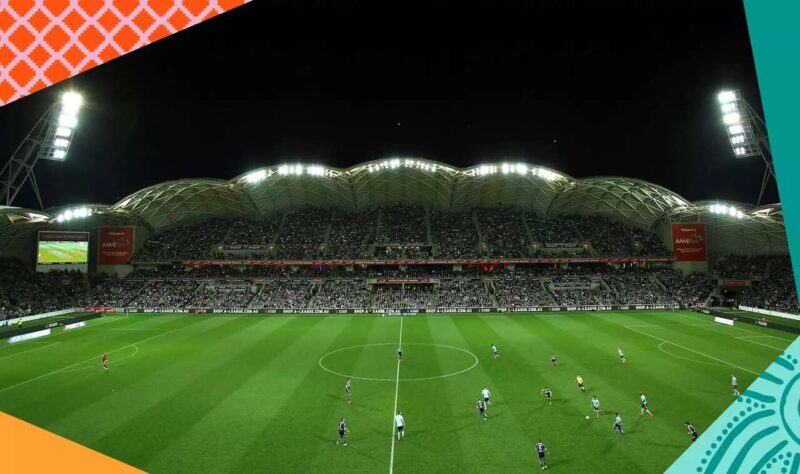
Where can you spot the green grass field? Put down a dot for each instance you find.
(256, 393)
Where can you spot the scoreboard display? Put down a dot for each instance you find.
(62, 250)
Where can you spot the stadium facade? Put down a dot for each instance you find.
(731, 228)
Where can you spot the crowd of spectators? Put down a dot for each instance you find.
(520, 291)
(777, 292)
(455, 234)
(224, 294)
(463, 293)
(504, 233)
(289, 293)
(402, 233)
(302, 234)
(740, 267)
(351, 235)
(165, 294)
(402, 225)
(197, 240)
(151, 250)
(342, 294)
(251, 232)
(403, 297)
(23, 292)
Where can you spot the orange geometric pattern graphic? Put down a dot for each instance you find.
(43, 42)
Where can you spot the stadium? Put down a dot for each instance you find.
(302, 263)
(268, 251)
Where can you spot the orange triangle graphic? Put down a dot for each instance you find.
(31, 449)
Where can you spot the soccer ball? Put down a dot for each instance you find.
(587, 417)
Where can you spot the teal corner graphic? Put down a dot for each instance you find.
(760, 432)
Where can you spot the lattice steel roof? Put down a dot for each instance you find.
(404, 181)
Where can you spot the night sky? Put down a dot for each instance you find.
(606, 91)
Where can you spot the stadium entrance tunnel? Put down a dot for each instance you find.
(378, 362)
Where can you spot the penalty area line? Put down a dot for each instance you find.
(692, 350)
(83, 361)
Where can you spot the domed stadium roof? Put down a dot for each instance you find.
(541, 190)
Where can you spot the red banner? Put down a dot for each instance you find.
(689, 242)
(115, 245)
(734, 283)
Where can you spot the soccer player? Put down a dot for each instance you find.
(486, 394)
(494, 351)
(618, 424)
(596, 406)
(621, 355)
(553, 359)
(580, 383)
(400, 353)
(347, 390)
(481, 406)
(342, 433)
(400, 423)
(548, 394)
(692, 431)
(734, 385)
(105, 360)
(541, 451)
(644, 408)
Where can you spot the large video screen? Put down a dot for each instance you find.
(63, 248)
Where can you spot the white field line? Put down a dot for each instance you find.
(396, 392)
(84, 361)
(747, 338)
(692, 350)
(29, 350)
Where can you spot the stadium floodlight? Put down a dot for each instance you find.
(77, 213)
(50, 139)
(747, 132)
(256, 176)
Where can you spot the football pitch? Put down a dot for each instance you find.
(265, 393)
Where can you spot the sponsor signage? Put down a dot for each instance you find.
(99, 309)
(77, 325)
(727, 322)
(115, 245)
(28, 336)
(689, 242)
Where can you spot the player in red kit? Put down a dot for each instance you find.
(105, 360)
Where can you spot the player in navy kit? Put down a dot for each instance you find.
(342, 433)
(553, 359)
(481, 406)
(347, 390)
(400, 353)
(548, 394)
(541, 451)
(692, 431)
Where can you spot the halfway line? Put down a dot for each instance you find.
(396, 392)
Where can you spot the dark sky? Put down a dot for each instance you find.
(604, 91)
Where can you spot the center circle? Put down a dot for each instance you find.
(378, 362)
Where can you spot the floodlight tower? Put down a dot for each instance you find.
(49, 139)
(747, 133)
